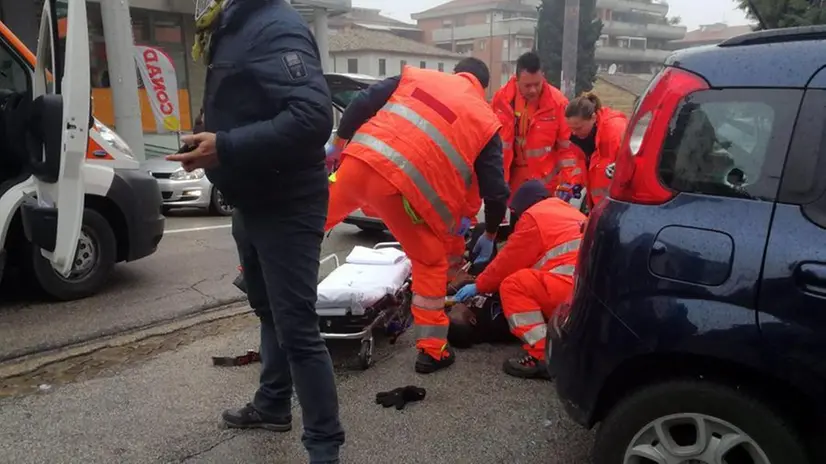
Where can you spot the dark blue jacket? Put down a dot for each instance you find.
(267, 101)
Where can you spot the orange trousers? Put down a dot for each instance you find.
(529, 299)
(358, 186)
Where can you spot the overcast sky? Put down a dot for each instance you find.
(693, 12)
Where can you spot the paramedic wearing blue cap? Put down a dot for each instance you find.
(267, 116)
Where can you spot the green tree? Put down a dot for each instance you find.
(549, 42)
(786, 13)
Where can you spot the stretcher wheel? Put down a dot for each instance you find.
(366, 354)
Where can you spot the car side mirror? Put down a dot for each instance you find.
(44, 137)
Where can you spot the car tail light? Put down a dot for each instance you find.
(635, 177)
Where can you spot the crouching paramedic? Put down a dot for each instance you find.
(534, 271)
(415, 143)
(597, 131)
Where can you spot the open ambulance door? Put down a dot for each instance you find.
(58, 135)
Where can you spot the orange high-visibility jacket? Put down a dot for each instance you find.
(547, 128)
(611, 125)
(426, 139)
(547, 237)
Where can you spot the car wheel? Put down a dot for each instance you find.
(695, 422)
(94, 259)
(217, 205)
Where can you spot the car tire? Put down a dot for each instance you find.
(102, 246)
(633, 415)
(217, 207)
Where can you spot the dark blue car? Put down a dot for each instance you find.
(697, 331)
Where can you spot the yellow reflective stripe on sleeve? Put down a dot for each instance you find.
(557, 251)
(411, 171)
(436, 136)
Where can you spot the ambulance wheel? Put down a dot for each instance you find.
(94, 259)
(366, 354)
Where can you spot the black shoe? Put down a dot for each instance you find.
(249, 418)
(426, 364)
(527, 367)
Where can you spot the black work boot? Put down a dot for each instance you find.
(249, 418)
(527, 367)
(426, 364)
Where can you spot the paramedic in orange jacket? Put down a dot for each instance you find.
(598, 132)
(417, 143)
(534, 132)
(534, 271)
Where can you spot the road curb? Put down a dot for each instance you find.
(25, 364)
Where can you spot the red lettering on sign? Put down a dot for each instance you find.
(157, 81)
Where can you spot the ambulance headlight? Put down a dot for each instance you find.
(111, 137)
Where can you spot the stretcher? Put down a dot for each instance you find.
(356, 299)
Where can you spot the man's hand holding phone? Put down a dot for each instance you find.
(199, 151)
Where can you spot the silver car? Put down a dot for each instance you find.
(181, 189)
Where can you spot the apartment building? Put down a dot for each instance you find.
(634, 37)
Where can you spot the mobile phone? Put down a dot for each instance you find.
(186, 148)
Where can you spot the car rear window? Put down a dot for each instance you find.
(729, 142)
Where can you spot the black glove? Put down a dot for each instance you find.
(399, 397)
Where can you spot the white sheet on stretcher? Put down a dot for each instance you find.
(359, 286)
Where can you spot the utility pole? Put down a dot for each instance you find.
(570, 45)
(123, 76)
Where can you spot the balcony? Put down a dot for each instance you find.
(638, 55)
(510, 54)
(649, 31)
(660, 8)
(522, 26)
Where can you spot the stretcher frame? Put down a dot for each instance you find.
(391, 309)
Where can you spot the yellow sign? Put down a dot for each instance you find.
(172, 123)
(332, 178)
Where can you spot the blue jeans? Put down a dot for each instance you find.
(279, 248)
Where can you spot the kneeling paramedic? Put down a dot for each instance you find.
(534, 271)
(415, 143)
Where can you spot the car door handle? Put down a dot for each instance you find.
(659, 248)
(812, 277)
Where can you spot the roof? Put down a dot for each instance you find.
(628, 82)
(369, 17)
(713, 33)
(463, 6)
(360, 39)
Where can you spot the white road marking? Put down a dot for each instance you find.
(197, 229)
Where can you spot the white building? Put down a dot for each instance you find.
(382, 54)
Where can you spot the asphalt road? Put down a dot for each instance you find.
(193, 268)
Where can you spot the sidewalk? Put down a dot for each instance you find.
(167, 410)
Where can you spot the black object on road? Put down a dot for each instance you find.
(227, 361)
(399, 397)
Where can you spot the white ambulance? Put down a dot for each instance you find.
(73, 201)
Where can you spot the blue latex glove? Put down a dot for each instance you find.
(483, 250)
(463, 227)
(567, 192)
(466, 292)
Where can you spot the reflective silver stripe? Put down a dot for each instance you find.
(438, 138)
(431, 331)
(564, 269)
(565, 163)
(506, 145)
(412, 172)
(576, 172)
(526, 318)
(433, 303)
(537, 152)
(599, 192)
(536, 334)
(557, 251)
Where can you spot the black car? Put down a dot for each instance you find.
(697, 329)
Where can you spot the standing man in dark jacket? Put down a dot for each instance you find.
(267, 115)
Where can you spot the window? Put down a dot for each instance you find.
(402, 64)
(382, 67)
(423, 64)
(441, 67)
(728, 143)
(13, 76)
(352, 65)
(482, 44)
